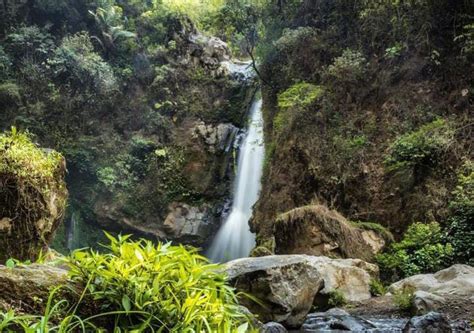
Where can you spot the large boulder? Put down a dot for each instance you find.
(32, 196)
(289, 285)
(457, 280)
(319, 231)
(28, 287)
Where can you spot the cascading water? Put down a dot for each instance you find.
(234, 239)
(71, 231)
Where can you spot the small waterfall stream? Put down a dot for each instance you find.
(70, 232)
(234, 239)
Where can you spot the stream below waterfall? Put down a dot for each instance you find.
(234, 239)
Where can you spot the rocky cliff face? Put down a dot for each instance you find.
(376, 136)
(146, 123)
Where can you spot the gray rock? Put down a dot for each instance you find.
(285, 284)
(187, 223)
(432, 322)
(425, 302)
(457, 280)
(273, 328)
(289, 284)
(216, 137)
(338, 320)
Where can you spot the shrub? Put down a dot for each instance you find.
(350, 67)
(404, 298)
(422, 147)
(30, 42)
(293, 101)
(299, 95)
(377, 288)
(158, 287)
(421, 250)
(461, 227)
(336, 299)
(9, 94)
(76, 61)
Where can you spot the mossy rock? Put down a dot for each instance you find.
(32, 196)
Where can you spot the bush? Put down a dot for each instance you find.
(336, 299)
(377, 288)
(9, 94)
(158, 287)
(30, 42)
(404, 298)
(294, 100)
(421, 250)
(76, 62)
(461, 227)
(350, 67)
(422, 147)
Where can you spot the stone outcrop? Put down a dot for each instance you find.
(457, 280)
(32, 197)
(217, 138)
(188, 224)
(28, 287)
(319, 231)
(289, 285)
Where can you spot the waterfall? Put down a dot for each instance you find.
(70, 241)
(234, 239)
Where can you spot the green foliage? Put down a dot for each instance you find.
(350, 67)
(20, 157)
(466, 38)
(336, 298)
(421, 250)
(294, 101)
(299, 95)
(394, 51)
(10, 94)
(110, 22)
(5, 63)
(421, 147)
(377, 288)
(404, 298)
(76, 61)
(377, 228)
(30, 42)
(158, 287)
(461, 227)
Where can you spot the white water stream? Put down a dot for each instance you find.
(234, 239)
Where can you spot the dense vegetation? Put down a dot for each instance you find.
(139, 287)
(368, 109)
(117, 87)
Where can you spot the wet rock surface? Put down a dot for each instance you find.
(432, 322)
(273, 328)
(338, 320)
